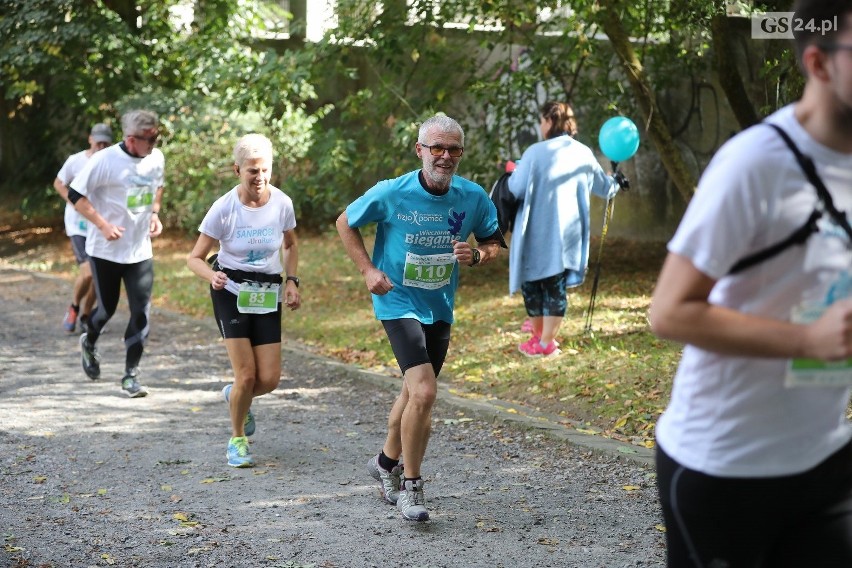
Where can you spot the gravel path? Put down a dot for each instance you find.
(92, 478)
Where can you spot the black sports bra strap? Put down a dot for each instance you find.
(809, 168)
(801, 234)
(798, 237)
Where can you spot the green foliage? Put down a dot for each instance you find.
(552, 54)
(61, 63)
(233, 86)
(198, 162)
(42, 204)
(396, 75)
(343, 113)
(67, 50)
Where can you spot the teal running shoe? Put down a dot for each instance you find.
(239, 454)
(249, 425)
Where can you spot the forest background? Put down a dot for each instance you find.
(341, 88)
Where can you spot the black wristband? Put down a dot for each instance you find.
(477, 256)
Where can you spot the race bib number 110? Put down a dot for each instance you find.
(429, 271)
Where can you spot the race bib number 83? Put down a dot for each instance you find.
(254, 298)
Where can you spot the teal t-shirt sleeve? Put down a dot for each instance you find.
(487, 224)
(372, 207)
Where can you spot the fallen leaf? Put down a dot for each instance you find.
(215, 479)
(631, 488)
(451, 421)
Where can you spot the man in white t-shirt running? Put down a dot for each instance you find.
(83, 298)
(754, 451)
(119, 191)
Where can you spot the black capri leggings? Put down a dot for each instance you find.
(416, 343)
(795, 521)
(138, 281)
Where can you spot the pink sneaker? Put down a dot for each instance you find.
(527, 327)
(537, 338)
(533, 348)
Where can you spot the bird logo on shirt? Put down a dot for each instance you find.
(455, 220)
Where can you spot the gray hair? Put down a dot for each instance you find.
(440, 122)
(135, 121)
(252, 146)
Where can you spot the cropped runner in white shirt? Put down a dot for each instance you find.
(752, 471)
(76, 227)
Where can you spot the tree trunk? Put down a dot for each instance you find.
(658, 130)
(126, 10)
(730, 80)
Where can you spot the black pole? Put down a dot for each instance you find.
(608, 210)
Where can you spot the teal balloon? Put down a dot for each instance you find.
(619, 138)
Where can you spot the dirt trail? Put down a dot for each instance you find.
(91, 478)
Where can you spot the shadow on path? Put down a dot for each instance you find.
(91, 478)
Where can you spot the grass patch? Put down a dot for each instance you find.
(614, 381)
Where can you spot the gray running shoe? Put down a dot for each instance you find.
(388, 480)
(131, 386)
(90, 358)
(412, 502)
